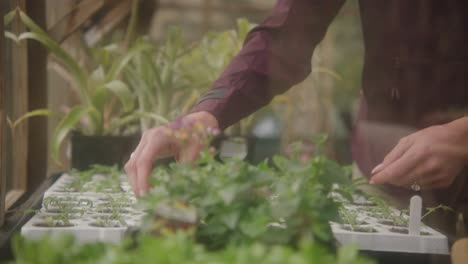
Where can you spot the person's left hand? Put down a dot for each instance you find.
(431, 158)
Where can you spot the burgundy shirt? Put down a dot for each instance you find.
(415, 66)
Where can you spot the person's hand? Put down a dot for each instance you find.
(430, 158)
(182, 139)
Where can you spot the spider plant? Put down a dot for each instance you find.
(170, 76)
(156, 77)
(104, 98)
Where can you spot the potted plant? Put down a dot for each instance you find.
(100, 132)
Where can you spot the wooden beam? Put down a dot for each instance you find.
(37, 97)
(108, 22)
(75, 18)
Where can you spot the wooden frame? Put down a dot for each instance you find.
(2, 126)
(72, 21)
(19, 99)
(109, 21)
(117, 10)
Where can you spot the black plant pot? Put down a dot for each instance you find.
(104, 150)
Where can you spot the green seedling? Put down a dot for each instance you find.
(350, 218)
(431, 210)
(65, 209)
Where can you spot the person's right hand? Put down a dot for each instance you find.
(175, 139)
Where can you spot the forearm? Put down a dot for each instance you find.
(275, 56)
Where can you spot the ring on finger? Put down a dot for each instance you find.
(415, 186)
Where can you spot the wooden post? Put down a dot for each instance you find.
(37, 97)
(2, 126)
(19, 107)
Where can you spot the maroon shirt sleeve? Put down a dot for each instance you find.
(275, 56)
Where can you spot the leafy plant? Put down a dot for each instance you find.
(169, 77)
(240, 203)
(156, 78)
(99, 86)
(248, 213)
(174, 249)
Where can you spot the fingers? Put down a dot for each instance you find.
(184, 138)
(158, 146)
(403, 145)
(397, 173)
(130, 166)
(155, 144)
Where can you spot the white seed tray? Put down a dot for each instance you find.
(83, 224)
(386, 238)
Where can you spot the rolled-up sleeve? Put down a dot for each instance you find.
(276, 55)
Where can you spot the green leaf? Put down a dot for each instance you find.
(228, 194)
(98, 75)
(72, 65)
(331, 73)
(347, 254)
(68, 123)
(99, 99)
(230, 219)
(9, 122)
(38, 112)
(117, 67)
(121, 90)
(9, 17)
(12, 36)
(243, 28)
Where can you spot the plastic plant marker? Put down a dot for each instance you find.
(415, 215)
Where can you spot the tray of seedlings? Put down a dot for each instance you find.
(93, 205)
(374, 225)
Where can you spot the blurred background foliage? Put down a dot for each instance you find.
(325, 103)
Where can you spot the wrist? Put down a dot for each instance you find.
(459, 129)
(203, 117)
